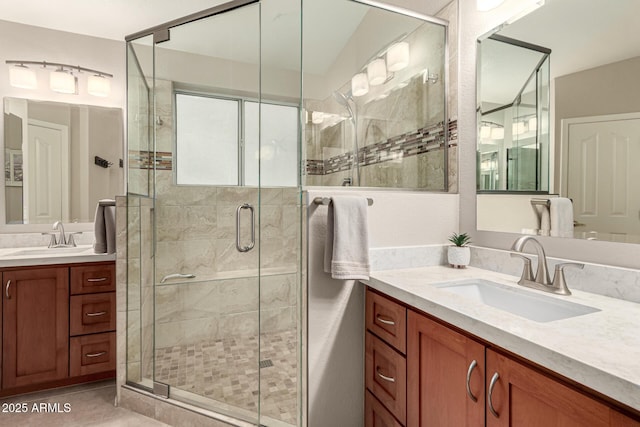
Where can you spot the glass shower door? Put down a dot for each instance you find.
(207, 281)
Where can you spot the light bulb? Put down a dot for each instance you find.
(398, 56)
(485, 132)
(62, 81)
(486, 5)
(376, 72)
(497, 133)
(359, 84)
(22, 77)
(98, 85)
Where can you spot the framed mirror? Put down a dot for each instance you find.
(593, 127)
(60, 160)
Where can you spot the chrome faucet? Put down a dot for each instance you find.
(541, 280)
(62, 239)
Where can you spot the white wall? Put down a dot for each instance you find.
(336, 308)
(473, 24)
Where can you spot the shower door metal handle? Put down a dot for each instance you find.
(253, 228)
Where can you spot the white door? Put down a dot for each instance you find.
(46, 170)
(602, 174)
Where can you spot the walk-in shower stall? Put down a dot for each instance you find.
(217, 115)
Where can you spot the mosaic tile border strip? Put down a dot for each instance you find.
(406, 145)
(145, 160)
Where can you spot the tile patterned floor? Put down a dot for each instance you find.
(88, 405)
(227, 371)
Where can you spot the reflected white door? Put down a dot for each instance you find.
(602, 174)
(46, 173)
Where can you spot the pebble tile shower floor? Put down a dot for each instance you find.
(226, 370)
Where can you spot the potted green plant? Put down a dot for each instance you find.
(459, 255)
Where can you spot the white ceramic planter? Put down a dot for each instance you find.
(459, 256)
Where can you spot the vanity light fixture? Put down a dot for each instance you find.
(533, 124)
(398, 56)
(317, 117)
(518, 128)
(497, 133)
(486, 5)
(376, 72)
(61, 79)
(359, 84)
(485, 131)
(23, 77)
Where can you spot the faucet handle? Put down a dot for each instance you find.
(527, 272)
(52, 241)
(559, 281)
(71, 241)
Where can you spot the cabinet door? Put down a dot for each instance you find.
(445, 386)
(523, 397)
(35, 341)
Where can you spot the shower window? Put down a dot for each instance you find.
(218, 142)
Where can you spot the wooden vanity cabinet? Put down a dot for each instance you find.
(58, 326)
(35, 326)
(449, 383)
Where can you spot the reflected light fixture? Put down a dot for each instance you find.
(398, 56)
(518, 128)
(61, 79)
(23, 77)
(317, 117)
(376, 72)
(485, 131)
(497, 133)
(359, 84)
(486, 5)
(98, 85)
(533, 124)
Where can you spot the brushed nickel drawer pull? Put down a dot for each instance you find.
(492, 384)
(472, 366)
(101, 353)
(384, 377)
(99, 313)
(385, 321)
(6, 289)
(97, 279)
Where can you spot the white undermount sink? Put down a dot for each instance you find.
(520, 302)
(50, 251)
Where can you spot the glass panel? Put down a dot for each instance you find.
(207, 140)
(139, 208)
(374, 92)
(278, 153)
(206, 290)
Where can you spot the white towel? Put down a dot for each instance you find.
(346, 252)
(545, 221)
(104, 226)
(561, 217)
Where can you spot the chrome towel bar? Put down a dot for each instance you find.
(326, 200)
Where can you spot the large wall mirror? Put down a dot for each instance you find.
(52, 155)
(559, 117)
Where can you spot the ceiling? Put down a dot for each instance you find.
(581, 35)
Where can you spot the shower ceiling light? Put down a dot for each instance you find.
(98, 85)
(62, 81)
(376, 72)
(22, 77)
(398, 56)
(359, 84)
(486, 5)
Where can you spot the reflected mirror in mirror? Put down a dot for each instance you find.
(375, 97)
(593, 129)
(50, 153)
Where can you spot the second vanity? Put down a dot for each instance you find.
(434, 357)
(58, 318)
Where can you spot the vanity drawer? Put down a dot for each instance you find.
(387, 319)
(88, 279)
(90, 354)
(92, 313)
(386, 376)
(376, 415)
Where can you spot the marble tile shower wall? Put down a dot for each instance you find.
(195, 233)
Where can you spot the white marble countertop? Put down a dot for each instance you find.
(600, 350)
(24, 257)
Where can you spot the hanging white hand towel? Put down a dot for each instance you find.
(104, 227)
(346, 252)
(561, 216)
